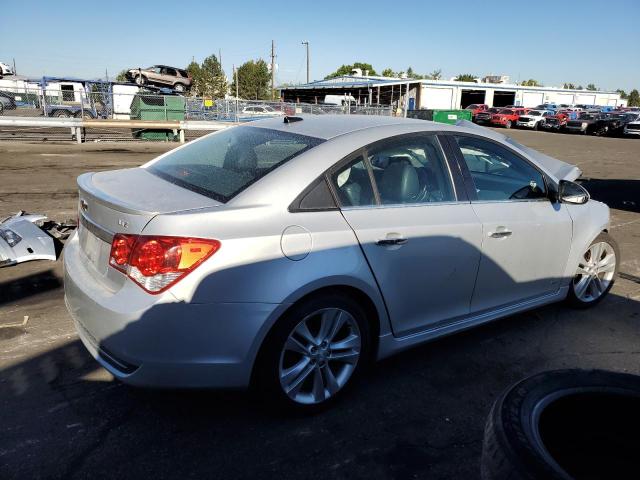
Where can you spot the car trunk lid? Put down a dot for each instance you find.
(124, 201)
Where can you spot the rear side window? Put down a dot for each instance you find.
(353, 185)
(222, 165)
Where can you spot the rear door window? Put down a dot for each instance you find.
(223, 164)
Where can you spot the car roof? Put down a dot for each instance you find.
(330, 126)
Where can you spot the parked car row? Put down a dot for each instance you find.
(584, 119)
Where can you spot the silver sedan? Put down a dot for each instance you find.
(292, 252)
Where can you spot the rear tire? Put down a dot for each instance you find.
(140, 80)
(61, 114)
(595, 277)
(286, 349)
(179, 87)
(508, 124)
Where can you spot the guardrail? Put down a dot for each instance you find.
(77, 125)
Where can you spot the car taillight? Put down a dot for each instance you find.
(157, 262)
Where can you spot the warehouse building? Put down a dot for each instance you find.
(441, 94)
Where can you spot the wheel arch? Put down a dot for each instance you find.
(377, 319)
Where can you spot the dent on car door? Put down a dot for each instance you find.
(526, 237)
(419, 235)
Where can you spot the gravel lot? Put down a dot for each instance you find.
(417, 415)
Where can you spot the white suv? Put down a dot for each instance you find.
(633, 127)
(534, 119)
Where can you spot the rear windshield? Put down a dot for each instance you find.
(222, 165)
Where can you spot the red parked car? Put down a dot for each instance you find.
(476, 108)
(507, 117)
(557, 121)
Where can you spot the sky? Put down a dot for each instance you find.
(553, 42)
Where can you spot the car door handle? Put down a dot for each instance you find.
(386, 242)
(500, 232)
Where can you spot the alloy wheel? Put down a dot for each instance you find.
(595, 272)
(320, 355)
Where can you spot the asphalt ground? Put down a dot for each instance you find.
(419, 414)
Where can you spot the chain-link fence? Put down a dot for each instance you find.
(129, 102)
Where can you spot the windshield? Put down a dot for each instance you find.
(472, 107)
(587, 116)
(506, 111)
(223, 164)
(534, 113)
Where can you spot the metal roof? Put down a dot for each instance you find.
(349, 81)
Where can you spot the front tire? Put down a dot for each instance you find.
(596, 272)
(508, 124)
(314, 353)
(140, 80)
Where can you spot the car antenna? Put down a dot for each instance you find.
(288, 119)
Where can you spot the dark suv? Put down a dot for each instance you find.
(161, 76)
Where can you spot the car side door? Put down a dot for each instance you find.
(526, 237)
(416, 227)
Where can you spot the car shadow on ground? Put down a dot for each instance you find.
(618, 194)
(17, 289)
(420, 413)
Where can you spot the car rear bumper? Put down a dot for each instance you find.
(152, 341)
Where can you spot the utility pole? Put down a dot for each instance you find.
(273, 69)
(307, 45)
(236, 75)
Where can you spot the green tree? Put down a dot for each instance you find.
(195, 71)
(465, 77)
(435, 75)
(207, 78)
(412, 74)
(531, 83)
(122, 76)
(253, 80)
(580, 87)
(346, 69)
(387, 72)
(623, 94)
(592, 87)
(569, 86)
(634, 98)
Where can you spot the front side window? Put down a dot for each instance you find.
(223, 164)
(411, 170)
(498, 173)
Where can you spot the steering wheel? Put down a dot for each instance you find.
(518, 194)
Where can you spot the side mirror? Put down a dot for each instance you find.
(571, 192)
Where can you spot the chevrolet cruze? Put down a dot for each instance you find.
(289, 253)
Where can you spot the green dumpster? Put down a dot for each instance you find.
(442, 116)
(158, 108)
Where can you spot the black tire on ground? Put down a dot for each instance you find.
(508, 124)
(572, 299)
(265, 379)
(61, 114)
(564, 424)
